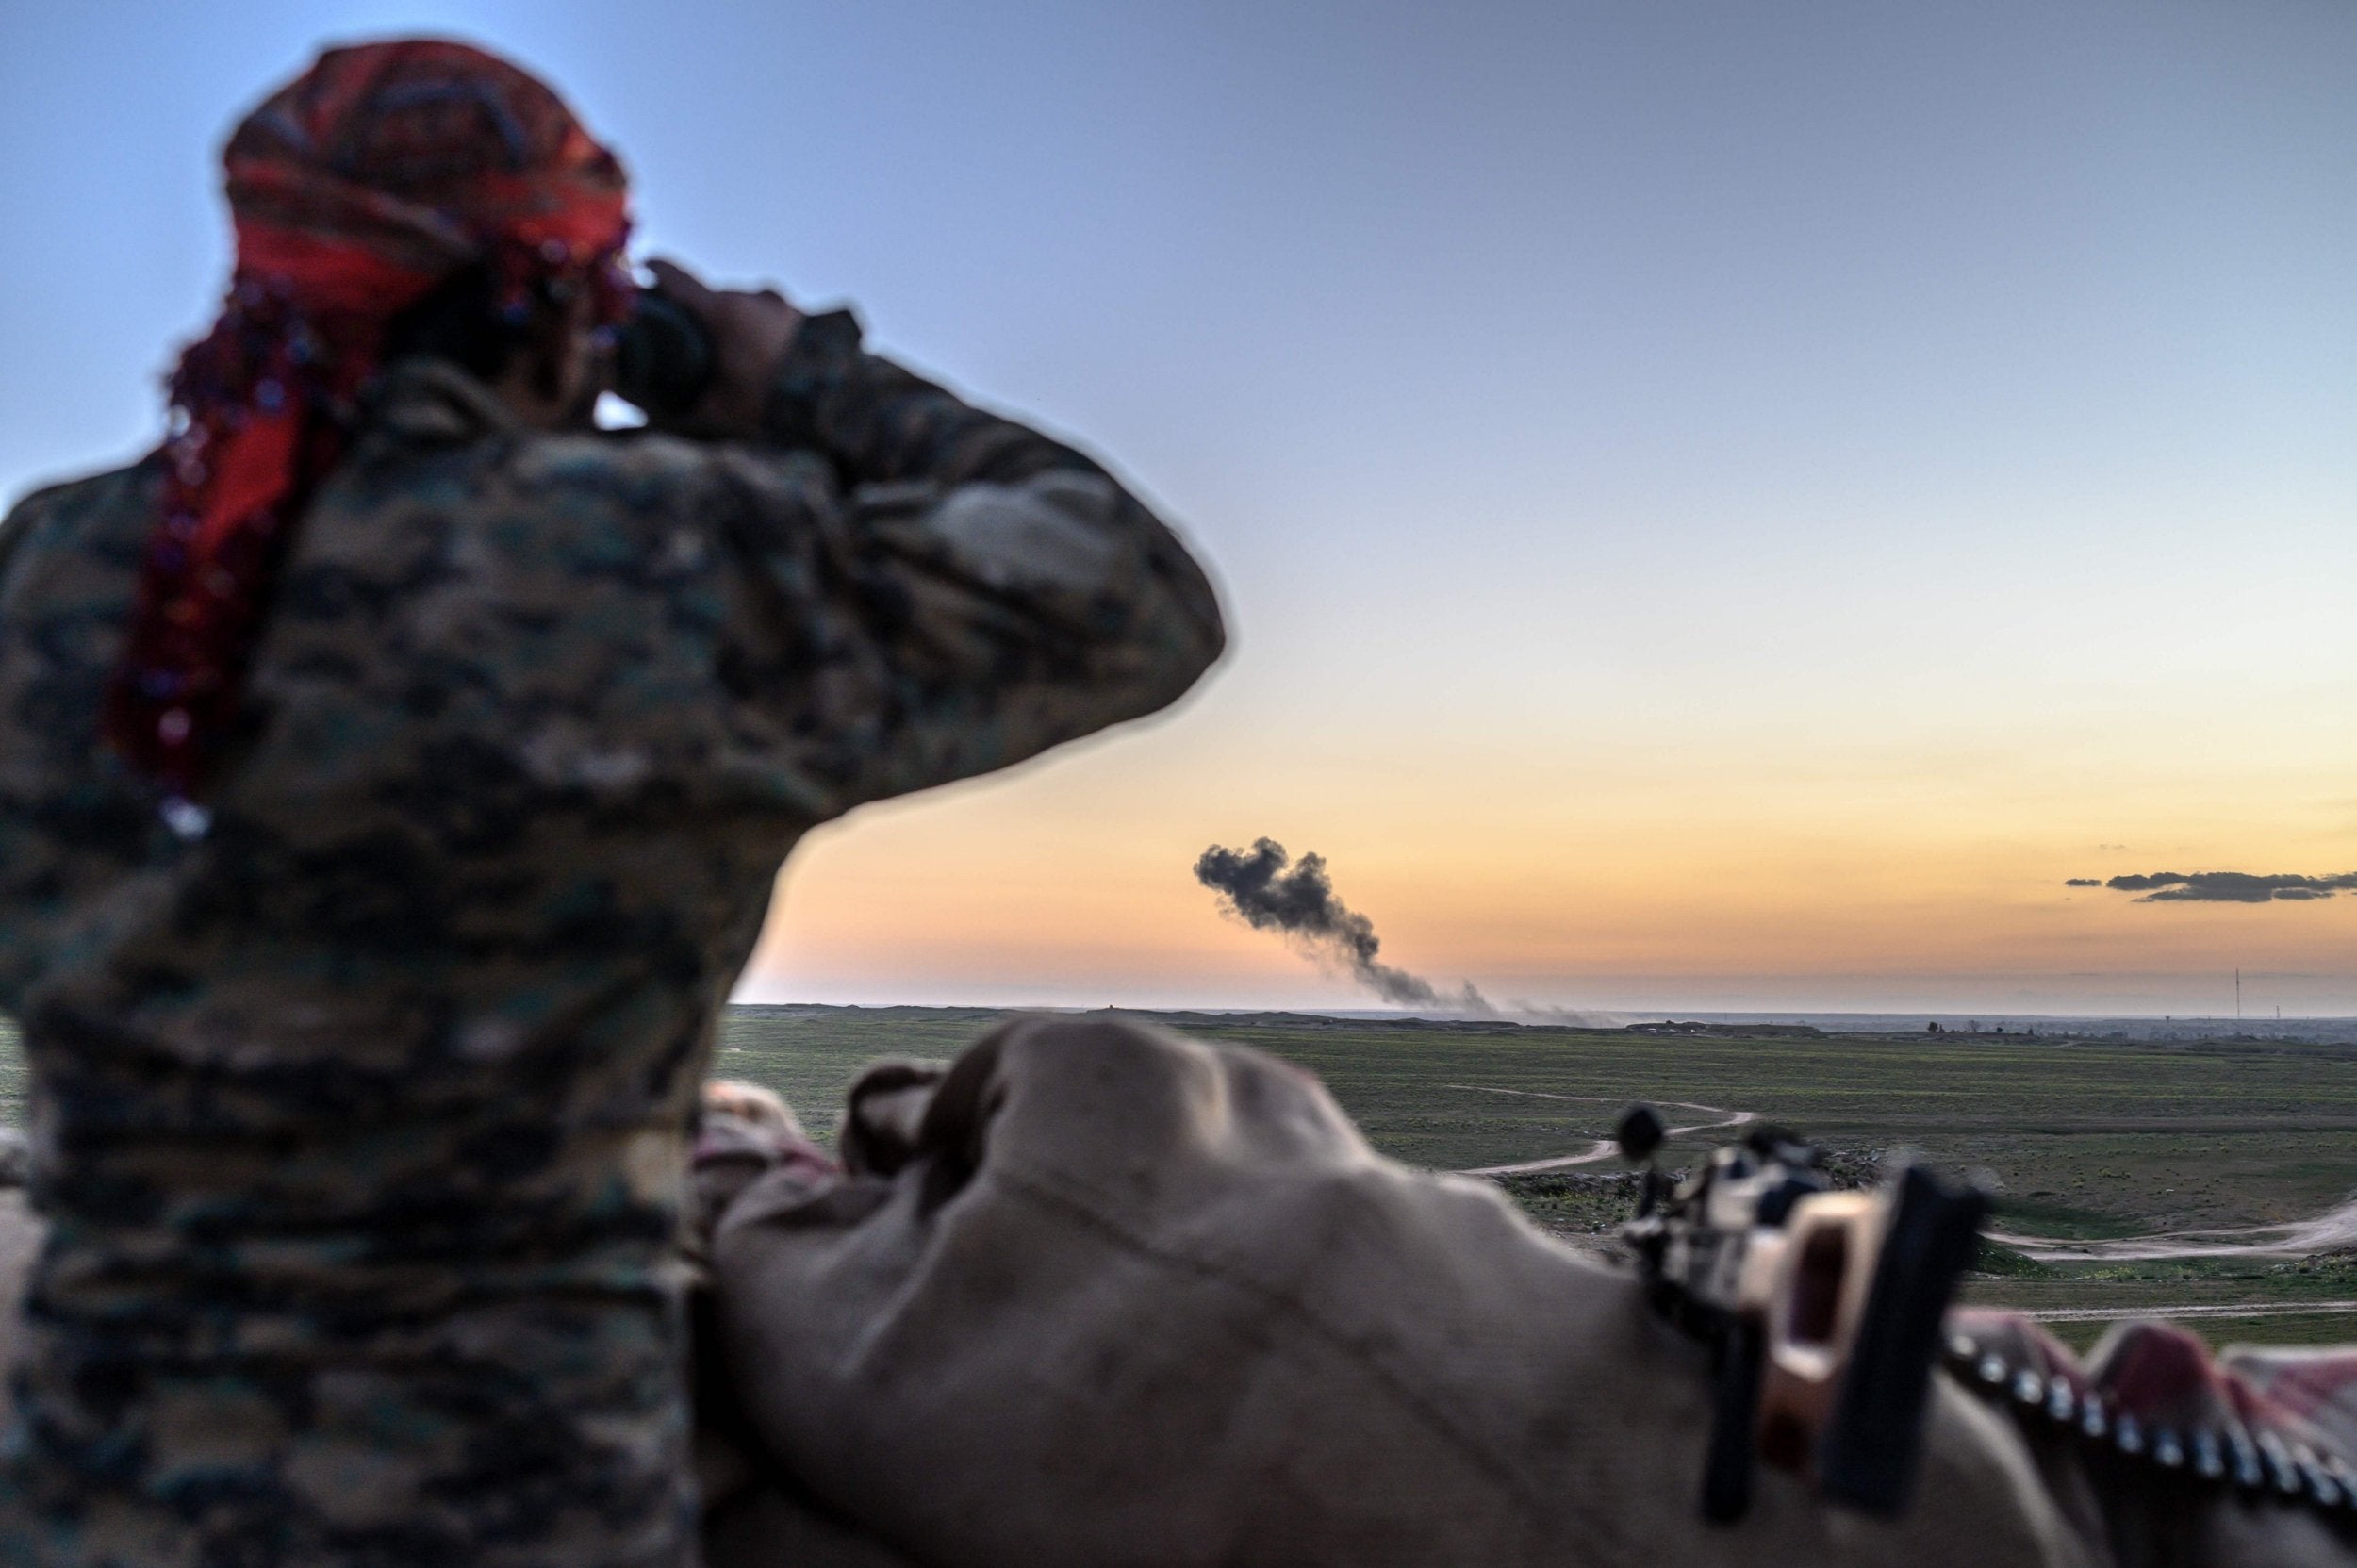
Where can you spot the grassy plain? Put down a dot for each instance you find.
(2088, 1138)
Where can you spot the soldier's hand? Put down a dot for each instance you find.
(751, 329)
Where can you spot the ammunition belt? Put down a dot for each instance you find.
(2226, 1455)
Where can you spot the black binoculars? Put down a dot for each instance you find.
(662, 357)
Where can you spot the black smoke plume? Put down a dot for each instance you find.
(1268, 890)
(2225, 887)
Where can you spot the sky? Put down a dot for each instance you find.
(1719, 506)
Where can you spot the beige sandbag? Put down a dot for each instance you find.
(1125, 1298)
(754, 1514)
(773, 1525)
(21, 1235)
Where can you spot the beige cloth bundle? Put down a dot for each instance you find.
(1108, 1296)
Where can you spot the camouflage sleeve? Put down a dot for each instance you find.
(16, 849)
(58, 611)
(993, 592)
(880, 421)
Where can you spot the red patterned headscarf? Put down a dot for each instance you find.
(382, 171)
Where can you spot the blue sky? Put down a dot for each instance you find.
(1711, 495)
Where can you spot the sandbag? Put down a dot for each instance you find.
(1117, 1298)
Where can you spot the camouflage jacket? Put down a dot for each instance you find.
(358, 1117)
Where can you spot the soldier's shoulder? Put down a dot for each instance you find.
(635, 467)
(556, 456)
(643, 479)
(67, 510)
(84, 491)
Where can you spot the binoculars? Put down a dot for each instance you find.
(664, 359)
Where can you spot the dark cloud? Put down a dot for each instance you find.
(2230, 887)
(1270, 891)
(2082, 881)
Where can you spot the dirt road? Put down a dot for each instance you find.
(1602, 1148)
(2203, 1309)
(2336, 1228)
(2290, 1239)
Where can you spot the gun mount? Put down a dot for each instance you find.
(1822, 1309)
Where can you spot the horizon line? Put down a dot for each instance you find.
(1571, 1016)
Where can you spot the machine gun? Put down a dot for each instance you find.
(1822, 1309)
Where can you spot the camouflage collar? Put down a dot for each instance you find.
(433, 400)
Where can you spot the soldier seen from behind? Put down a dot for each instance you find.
(393, 772)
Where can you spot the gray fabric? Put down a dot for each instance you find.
(770, 1526)
(1127, 1299)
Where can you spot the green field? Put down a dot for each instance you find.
(2095, 1138)
(2080, 1138)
